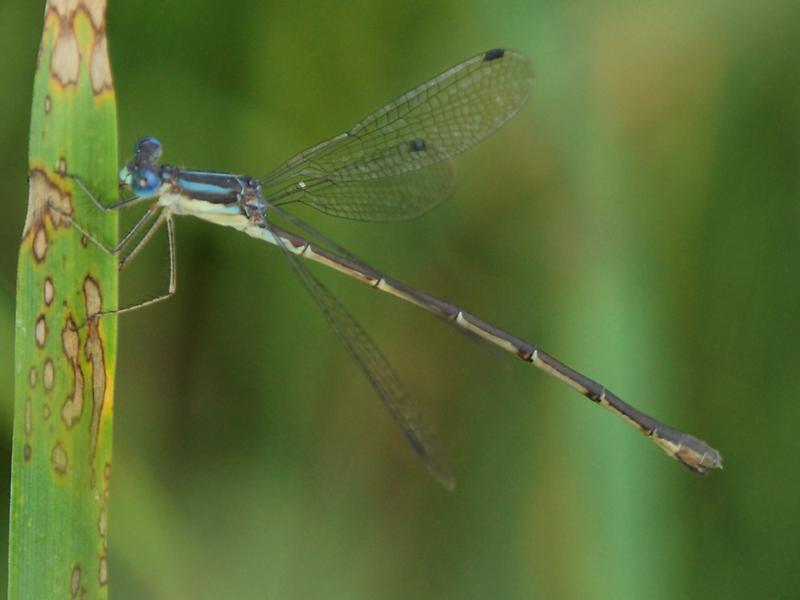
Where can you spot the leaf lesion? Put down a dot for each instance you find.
(73, 405)
(45, 198)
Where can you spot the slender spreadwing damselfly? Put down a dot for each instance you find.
(392, 165)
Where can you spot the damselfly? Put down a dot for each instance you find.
(392, 165)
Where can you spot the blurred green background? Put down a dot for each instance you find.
(638, 220)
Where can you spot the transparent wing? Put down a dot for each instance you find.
(378, 371)
(394, 198)
(397, 156)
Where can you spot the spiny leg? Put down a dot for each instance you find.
(162, 217)
(123, 203)
(126, 239)
(111, 250)
(145, 238)
(139, 245)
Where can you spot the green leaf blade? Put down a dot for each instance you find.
(64, 366)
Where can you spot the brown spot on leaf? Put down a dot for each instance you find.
(66, 58)
(93, 299)
(49, 291)
(66, 9)
(61, 167)
(65, 61)
(41, 331)
(62, 10)
(48, 374)
(40, 244)
(99, 69)
(59, 459)
(75, 581)
(26, 452)
(95, 354)
(48, 104)
(102, 524)
(96, 11)
(103, 574)
(32, 377)
(73, 405)
(46, 411)
(45, 197)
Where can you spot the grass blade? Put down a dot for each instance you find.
(64, 370)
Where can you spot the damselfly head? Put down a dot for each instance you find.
(143, 181)
(147, 149)
(140, 174)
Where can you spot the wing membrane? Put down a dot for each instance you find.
(378, 371)
(378, 161)
(394, 198)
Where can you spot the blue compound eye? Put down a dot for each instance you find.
(145, 182)
(148, 149)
